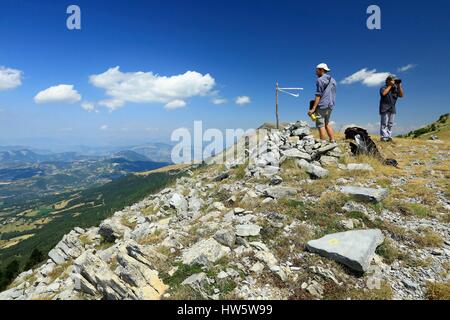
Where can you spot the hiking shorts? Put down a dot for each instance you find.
(323, 117)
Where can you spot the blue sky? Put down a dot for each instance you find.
(232, 48)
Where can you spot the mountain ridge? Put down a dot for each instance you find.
(244, 229)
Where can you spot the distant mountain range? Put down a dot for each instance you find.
(29, 156)
(155, 152)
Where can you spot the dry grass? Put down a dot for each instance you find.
(126, 222)
(438, 291)
(85, 239)
(296, 242)
(239, 172)
(317, 187)
(291, 173)
(389, 252)
(408, 209)
(59, 270)
(428, 238)
(154, 238)
(149, 211)
(334, 292)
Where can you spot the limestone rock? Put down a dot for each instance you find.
(301, 132)
(328, 161)
(225, 237)
(275, 180)
(295, 153)
(359, 167)
(204, 252)
(110, 230)
(247, 230)
(278, 192)
(179, 203)
(327, 148)
(222, 176)
(312, 169)
(365, 194)
(70, 247)
(97, 273)
(355, 249)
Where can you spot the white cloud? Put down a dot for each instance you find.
(175, 104)
(407, 67)
(10, 78)
(370, 78)
(104, 127)
(218, 101)
(147, 87)
(88, 106)
(243, 100)
(63, 93)
(111, 104)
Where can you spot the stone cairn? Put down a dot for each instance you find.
(296, 142)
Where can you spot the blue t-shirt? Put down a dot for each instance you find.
(387, 102)
(326, 89)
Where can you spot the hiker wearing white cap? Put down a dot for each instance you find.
(324, 102)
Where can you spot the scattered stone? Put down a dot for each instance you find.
(365, 194)
(222, 176)
(278, 192)
(293, 139)
(219, 206)
(301, 132)
(204, 252)
(314, 288)
(70, 247)
(313, 170)
(275, 180)
(328, 161)
(257, 268)
(247, 230)
(197, 281)
(434, 137)
(232, 273)
(324, 273)
(355, 249)
(410, 285)
(222, 275)
(359, 167)
(111, 229)
(225, 237)
(179, 203)
(327, 148)
(347, 224)
(295, 153)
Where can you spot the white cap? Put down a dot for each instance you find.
(323, 66)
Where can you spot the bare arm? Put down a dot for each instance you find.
(400, 90)
(316, 103)
(387, 90)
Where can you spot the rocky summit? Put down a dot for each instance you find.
(288, 217)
